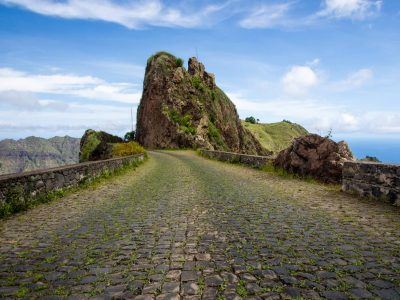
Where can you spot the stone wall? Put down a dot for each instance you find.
(381, 181)
(17, 191)
(251, 160)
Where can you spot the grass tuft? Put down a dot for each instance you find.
(127, 149)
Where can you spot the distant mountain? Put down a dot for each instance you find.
(276, 136)
(37, 153)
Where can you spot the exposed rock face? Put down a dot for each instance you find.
(34, 153)
(97, 145)
(315, 156)
(185, 109)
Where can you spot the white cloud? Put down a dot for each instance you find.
(65, 84)
(353, 9)
(29, 102)
(15, 122)
(267, 16)
(320, 116)
(299, 79)
(354, 80)
(130, 13)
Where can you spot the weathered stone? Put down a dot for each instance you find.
(315, 156)
(375, 180)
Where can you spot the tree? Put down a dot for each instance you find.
(130, 136)
(251, 120)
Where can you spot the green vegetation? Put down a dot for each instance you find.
(270, 168)
(97, 145)
(126, 149)
(251, 120)
(215, 136)
(179, 62)
(241, 289)
(130, 136)
(184, 122)
(158, 54)
(91, 142)
(366, 159)
(198, 83)
(276, 136)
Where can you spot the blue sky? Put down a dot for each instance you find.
(66, 66)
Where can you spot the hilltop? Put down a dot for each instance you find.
(186, 109)
(37, 153)
(275, 136)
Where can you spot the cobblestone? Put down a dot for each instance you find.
(183, 227)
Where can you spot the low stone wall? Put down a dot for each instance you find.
(18, 191)
(251, 160)
(381, 181)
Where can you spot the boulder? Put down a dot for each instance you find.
(315, 156)
(97, 145)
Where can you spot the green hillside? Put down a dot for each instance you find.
(276, 136)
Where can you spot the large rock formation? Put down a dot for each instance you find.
(315, 156)
(97, 145)
(185, 109)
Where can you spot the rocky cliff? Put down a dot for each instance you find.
(185, 109)
(37, 153)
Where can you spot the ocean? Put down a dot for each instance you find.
(386, 150)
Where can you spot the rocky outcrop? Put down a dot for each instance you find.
(97, 145)
(185, 109)
(315, 156)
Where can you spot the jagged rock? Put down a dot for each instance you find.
(97, 145)
(315, 156)
(185, 109)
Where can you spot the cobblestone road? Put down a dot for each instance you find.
(181, 226)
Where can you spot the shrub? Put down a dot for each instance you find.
(126, 149)
(130, 136)
(370, 159)
(184, 122)
(179, 62)
(251, 120)
(197, 83)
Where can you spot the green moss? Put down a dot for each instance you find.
(89, 146)
(22, 292)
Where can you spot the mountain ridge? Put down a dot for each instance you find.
(32, 153)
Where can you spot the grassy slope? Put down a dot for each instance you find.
(276, 136)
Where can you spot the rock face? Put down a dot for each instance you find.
(185, 109)
(96, 145)
(315, 156)
(34, 153)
